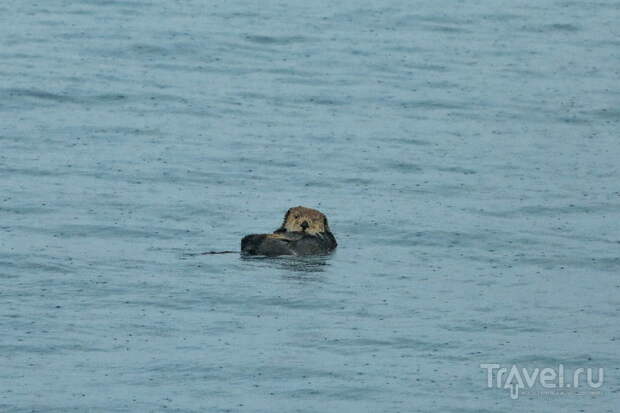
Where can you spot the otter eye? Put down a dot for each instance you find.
(296, 216)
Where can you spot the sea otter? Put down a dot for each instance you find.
(304, 231)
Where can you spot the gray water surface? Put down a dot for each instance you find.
(466, 154)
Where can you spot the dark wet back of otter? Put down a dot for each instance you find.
(290, 244)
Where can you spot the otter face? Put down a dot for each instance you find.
(302, 219)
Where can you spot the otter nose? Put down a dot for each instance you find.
(304, 225)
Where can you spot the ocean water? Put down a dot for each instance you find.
(466, 153)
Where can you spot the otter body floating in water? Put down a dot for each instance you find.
(304, 232)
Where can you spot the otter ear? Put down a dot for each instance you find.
(282, 229)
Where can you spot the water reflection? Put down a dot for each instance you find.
(297, 265)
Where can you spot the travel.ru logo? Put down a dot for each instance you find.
(515, 378)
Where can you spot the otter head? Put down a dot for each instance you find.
(302, 219)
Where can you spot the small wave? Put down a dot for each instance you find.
(275, 40)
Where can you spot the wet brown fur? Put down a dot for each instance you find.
(297, 216)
